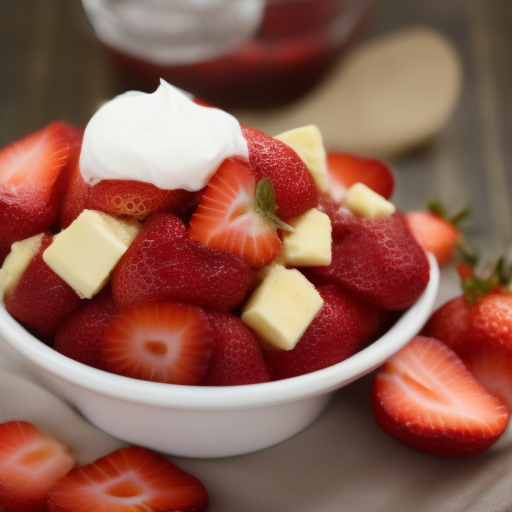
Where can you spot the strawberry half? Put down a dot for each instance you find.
(30, 192)
(31, 461)
(345, 169)
(159, 341)
(426, 398)
(234, 215)
(128, 479)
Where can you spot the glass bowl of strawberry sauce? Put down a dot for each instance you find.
(201, 421)
(232, 54)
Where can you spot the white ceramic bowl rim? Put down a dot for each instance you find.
(225, 397)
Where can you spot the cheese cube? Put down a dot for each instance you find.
(282, 307)
(311, 242)
(307, 142)
(17, 261)
(85, 253)
(363, 201)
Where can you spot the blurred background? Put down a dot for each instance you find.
(290, 61)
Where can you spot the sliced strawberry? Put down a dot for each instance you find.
(236, 357)
(159, 341)
(294, 187)
(345, 169)
(31, 461)
(128, 479)
(29, 193)
(134, 198)
(230, 216)
(426, 398)
(435, 232)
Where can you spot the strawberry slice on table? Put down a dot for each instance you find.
(30, 189)
(346, 169)
(128, 479)
(31, 461)
(237, 215)
(426, 398)
(435, 231)
(164, 263)
(159, 341)
(294, 187)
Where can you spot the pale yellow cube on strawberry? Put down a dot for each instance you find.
(17, 261)
(282, 307)
(363, 201)
(85, 253)
(307, 142)
(310, 244)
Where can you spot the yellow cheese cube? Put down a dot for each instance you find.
(17, 261)
(85, 253)
(311, 242)
(282, 307)
(363, 201)
(307, 142)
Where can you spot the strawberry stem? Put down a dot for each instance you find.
(266, 202)
(438, 209)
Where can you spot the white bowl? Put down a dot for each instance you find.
(193, 421)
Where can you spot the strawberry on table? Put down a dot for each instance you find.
(128, 479)
(31, 461)
(164, 263)
(159, 341)
(477, 325)
(236, 356)
(338, 331)
(426, 398)
(346, 169)
(435, 231)
(30, 188)
(237, 215)
(294, 186)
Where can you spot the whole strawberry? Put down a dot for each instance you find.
(340, 329)
(378, 259)
(163, 263)
(477, 325)
(294, 187)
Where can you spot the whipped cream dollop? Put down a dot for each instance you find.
(163, 138)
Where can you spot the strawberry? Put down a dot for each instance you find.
(30, 189)
(135, 199)
(128, 479)
(80, 337)
(236, 357)
(339, 330)
(377, 259)
(426, 398)
(435, 231)
(345, 169)
(159, 341)
(163, 263)
(294, 187)
(234, 215)
(41, 300)
(477, 326)
(31, 461)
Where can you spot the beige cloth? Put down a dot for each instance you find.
(342, 462)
